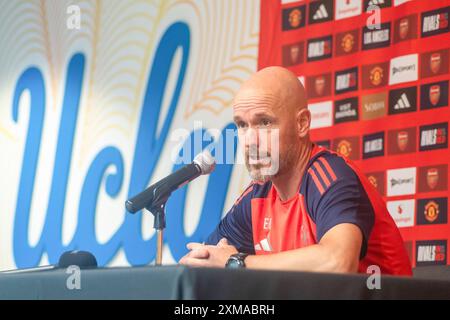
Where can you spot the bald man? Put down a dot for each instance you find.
(307, 208)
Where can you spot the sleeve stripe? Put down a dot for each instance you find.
(246, 192)
(322, 174)
(316, 181)
(328, 168)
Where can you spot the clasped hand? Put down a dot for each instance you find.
(201, 255)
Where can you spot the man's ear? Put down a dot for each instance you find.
(303, 122)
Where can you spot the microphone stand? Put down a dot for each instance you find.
(159, 224)
(156, 196)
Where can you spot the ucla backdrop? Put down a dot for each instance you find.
(88, 118)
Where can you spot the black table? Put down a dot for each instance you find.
(177, 282)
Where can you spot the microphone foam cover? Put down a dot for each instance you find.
(82, 259)
(206, 162)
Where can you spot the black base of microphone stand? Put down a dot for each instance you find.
(159, 224)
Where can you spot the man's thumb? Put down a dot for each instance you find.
(223, 242)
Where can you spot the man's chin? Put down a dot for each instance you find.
(258, 177)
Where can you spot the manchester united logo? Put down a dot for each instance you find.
(402, 140)
(344, 148)
(435, 62)
(376, 75)
(431, 211)
(432, 177)
(295, 18)
(435, 94)
(403, 28)
(319, 85)
(347, 42)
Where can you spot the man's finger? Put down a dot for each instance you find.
(194, 245)
(192, 262)
(223, 242)
(200, 253)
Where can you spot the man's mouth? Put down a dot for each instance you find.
(258, 160)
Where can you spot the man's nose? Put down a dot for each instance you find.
(251, 137)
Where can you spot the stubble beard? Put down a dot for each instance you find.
(263, 173)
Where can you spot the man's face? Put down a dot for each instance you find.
(266, 133)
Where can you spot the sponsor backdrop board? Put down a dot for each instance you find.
(377, 76)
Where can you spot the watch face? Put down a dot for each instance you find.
(236, 261)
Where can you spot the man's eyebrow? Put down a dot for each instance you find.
(236, 118)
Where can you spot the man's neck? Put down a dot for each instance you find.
(288, 183)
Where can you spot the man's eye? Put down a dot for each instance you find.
(266, 122)
(241, 125)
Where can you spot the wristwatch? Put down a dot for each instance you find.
(236, 260)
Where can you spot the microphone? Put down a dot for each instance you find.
(157, 194)
(82, 259)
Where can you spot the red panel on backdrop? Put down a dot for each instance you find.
(377, 76)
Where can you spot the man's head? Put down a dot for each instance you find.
(273, 122)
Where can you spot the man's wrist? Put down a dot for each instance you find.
(237, 260)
